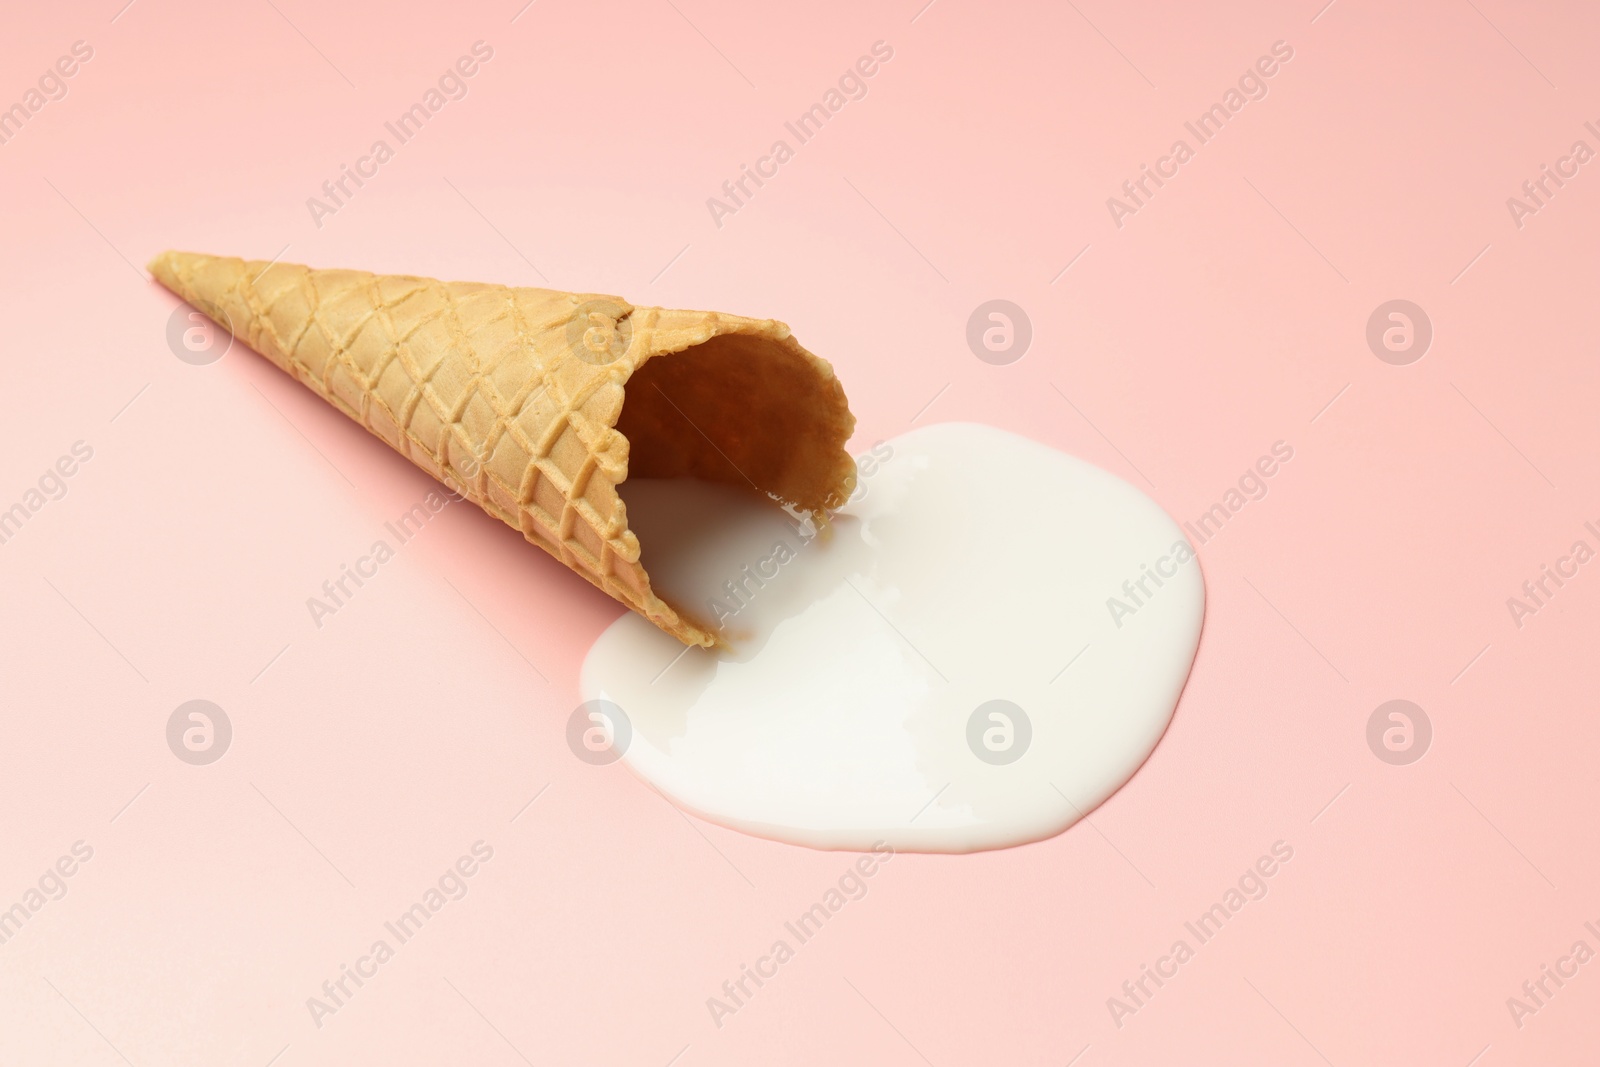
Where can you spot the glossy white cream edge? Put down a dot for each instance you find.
(971, 565)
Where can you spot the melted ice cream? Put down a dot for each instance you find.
(985, 643)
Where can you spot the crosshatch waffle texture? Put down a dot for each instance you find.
(532, 402)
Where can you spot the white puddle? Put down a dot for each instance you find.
(940, 671)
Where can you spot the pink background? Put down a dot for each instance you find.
(1227, 314)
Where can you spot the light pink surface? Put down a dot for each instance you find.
(1227, 314)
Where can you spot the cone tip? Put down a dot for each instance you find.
(163, 268)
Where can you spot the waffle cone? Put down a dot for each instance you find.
(535, 404)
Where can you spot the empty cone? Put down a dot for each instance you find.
(535, 404)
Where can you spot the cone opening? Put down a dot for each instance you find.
(745, 410)
(748, 410)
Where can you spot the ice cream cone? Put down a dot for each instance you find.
(534, 404)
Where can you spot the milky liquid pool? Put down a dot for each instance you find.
(984, 644)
